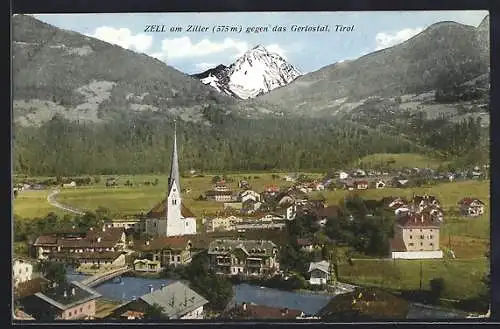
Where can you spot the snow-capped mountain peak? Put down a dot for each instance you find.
(256, 72)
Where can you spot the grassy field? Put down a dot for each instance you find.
(462, 276)
(399, 161)
(31, 204)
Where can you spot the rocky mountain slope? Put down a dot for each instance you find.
(446, 53)
(82, 78)
(255, 73)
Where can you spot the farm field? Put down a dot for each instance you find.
(32, 204)
(462, 276)
(399, 161)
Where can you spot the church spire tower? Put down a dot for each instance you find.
(174, 167)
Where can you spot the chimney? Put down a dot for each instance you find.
(73, 291)
(244, 306)
(65, 294)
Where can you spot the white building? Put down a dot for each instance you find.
(319, 272)
(22, 270)
(249, 195)
(170, 217)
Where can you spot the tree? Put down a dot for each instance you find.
(437, 288)
(52, 271)
(154, 312)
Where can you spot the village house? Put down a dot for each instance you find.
(134, 224)
(319, 272)
(253, 311)
(22, 270)
(220, 193)
(178, 302)
(65, 301)
(416, 236)
(72, 184)
(343, 175)
(169, 251)
(95, 247)
(471, 207)
(243, 257)
(222, 223)
(379, 184)
(306, 245)
(249, 195)
(147, 265)
(250, 206)
(243, 184)
(361, 184)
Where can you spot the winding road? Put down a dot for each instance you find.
(51, 199)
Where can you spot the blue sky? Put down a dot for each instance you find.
(193, 52)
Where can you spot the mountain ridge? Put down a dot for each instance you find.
(256, 72)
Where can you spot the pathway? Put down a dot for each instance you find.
(51, 199)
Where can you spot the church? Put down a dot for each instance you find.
(171, 217)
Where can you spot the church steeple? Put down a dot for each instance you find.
(174, 167)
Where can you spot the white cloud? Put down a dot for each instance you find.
(183, 47)
(204, 66)
(123, 37)
(385, 40)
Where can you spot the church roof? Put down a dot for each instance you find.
(160, 210)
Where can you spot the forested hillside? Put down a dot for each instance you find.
(143, 145)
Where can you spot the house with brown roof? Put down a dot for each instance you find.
(472, 207)
(220, 193)
(253, 311)
(167, 250)
(95, 246)
(243, 257)
(416, 236)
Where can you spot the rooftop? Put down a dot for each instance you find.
(68, 294)
(160, 210)
(177, 299)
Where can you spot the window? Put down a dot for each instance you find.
(410, 244)
(421, 237)
(88, 307)
(20, 270)
(431, 244)
(411, 236)
(70, 313)
(431, 236)
(178, 258)
(421, 243)
(81, 309)
(187, 224)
